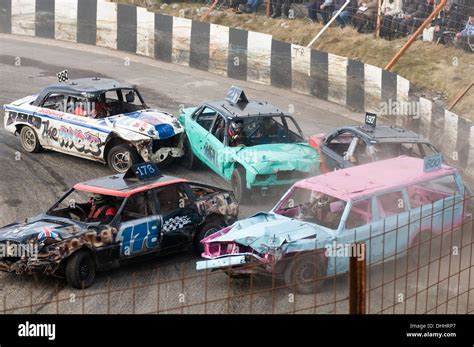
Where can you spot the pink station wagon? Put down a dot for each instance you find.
(387, 205)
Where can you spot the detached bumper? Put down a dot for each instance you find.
(222, 262)
(238, 263)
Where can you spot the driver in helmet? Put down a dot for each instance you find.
(235, 134)
(316, 208)
(100, 108)
(101, 210)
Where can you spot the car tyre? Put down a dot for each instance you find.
(80, 270)
(239, 185)
(29, 140)
(189, 160)
(121, 157)
(206, 230)
(305, 273)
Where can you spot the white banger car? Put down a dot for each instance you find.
(94, 118)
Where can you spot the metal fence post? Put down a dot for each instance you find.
(357, 281)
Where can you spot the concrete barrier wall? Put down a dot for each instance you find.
(242, 55)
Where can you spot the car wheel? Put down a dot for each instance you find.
(121, 157)
(80, 270)
(189, 160)
(305, 273)
(239, 185)
(206, 230)
(29, 140)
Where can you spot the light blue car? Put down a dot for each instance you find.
(385, 207)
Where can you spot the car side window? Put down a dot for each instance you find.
(360, 214)
(390, 204)
(137, 206)
(340, 143)
(78, 106)
(431, 191)
(218, 130)
(55, 102)
(206, 117)
(290, 126)
(171, 197)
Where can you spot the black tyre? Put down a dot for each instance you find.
(189, 161)
(121, 157)
(239, 185)
(304, 273)
(29, 140)
(206, 230)
(80, 270)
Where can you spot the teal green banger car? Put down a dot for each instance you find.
(254, 145)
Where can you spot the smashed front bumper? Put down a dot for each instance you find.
(240, 263)
(158, 151)
(222, 262)
(29, 266)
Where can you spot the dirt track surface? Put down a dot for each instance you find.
(31, 183)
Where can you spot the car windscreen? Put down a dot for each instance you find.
(312, 206)
(261, 130)
(77, 205)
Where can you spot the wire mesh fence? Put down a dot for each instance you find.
(419, 261)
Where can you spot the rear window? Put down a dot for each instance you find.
(430, 191)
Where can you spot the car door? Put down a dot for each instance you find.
(198, 129)
(178, 214)
(214, 145)
(393, 213)
(140, 225)
(68, 128)
(51, 111)
(360, 225)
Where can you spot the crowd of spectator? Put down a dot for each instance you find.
(398, 18)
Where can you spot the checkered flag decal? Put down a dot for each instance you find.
(176, 223)
(62, 76)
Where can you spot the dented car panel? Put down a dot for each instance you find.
(53, 237)
(331, 212)
(156, 135)
(272, 150)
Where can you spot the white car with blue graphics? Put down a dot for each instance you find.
(98, 119)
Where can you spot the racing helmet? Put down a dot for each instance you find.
(98, 199)
(235, 130)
